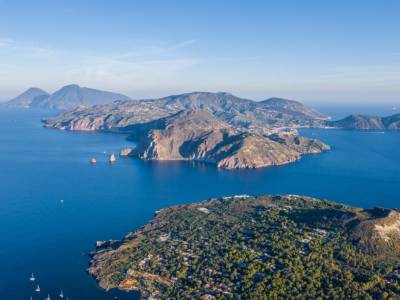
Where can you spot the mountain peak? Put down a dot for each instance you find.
(71, 86)
(69, 96)
(28, 98)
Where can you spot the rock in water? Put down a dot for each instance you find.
(112, 158)
(125, 152)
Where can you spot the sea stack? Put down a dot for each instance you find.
(112, 158)
(93, 161)
(125, 152)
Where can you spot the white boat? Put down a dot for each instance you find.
(61, 294)
(32, 278)
(48, 297)
(93, 161)
(37, 289)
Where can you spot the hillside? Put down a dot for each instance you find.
(265, 247)
(237, 112)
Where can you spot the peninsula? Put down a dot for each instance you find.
(265, 247)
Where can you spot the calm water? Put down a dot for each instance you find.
(39, 167)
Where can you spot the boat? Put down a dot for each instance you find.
(61, 294)
(37, 289)
(62, 201)
(48, 297)
(93, 161)
(112, 158)
(32, 278)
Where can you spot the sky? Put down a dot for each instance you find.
(322, 51)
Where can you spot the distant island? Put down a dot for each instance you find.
(217, 128)
(265, 247)
(68, 97)
(366, 122)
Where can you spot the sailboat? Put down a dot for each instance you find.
(32, 278)
(112, 158)
(48, 297)
(61, 294)
(37, 289)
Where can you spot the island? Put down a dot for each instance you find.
(216, 128)
(257, 247)
(366, 122)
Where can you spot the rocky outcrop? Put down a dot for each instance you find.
(365, 122)
(198, 135)
(237, 112)
(299, 143)
(126, 152)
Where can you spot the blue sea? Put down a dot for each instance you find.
(40, 167)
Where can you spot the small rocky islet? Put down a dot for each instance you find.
(257, 247)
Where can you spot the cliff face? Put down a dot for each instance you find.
(237, 112)
(198, 135)
(364, 122)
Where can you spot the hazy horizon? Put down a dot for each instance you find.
(313, 51)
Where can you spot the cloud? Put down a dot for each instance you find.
(5, 43)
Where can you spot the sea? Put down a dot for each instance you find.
(55, 205)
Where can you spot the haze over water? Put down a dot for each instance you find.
(39, 167)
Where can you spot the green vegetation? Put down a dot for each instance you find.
(281, 247)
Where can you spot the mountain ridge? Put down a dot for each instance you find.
(236, 111)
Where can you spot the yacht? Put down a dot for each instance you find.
(61, 294)
(48, 297)
(32, 278)
(37, 289)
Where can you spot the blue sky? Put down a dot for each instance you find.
(328, 51)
